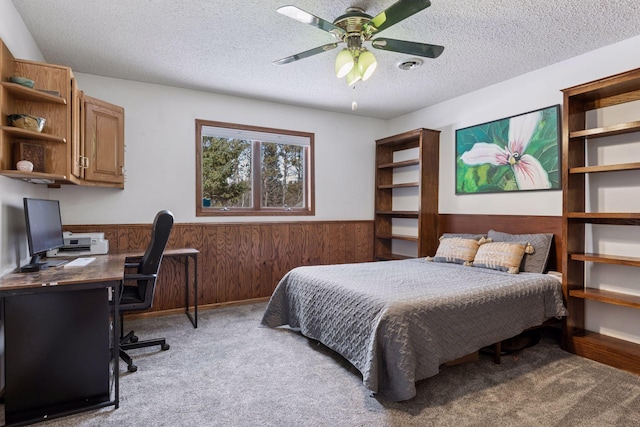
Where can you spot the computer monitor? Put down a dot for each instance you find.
(44, 230)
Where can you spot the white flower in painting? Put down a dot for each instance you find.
(529, 173)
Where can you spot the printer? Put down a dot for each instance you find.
(81, 244)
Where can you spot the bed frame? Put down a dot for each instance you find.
(514, 224)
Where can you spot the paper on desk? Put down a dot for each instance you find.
(79, 262)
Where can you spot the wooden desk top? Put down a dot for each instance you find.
(105, 268)
(176, 252)
(180, 251)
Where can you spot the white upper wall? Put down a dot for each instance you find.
(531, 91)
(13, 242)
(15, 34)
(160, 154)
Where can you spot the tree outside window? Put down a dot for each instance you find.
(246, 170)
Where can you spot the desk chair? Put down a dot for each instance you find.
(139, 288)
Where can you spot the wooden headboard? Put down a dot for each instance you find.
(514, 224)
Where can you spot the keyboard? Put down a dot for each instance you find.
(79, 262)
(56, 262)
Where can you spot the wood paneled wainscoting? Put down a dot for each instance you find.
(240, 262)
(243, 262)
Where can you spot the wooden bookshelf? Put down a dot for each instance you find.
(426, 163)
(578, 101)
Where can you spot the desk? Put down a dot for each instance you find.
(185, 254)
(61, 340)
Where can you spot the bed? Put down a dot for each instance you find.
(397, 322)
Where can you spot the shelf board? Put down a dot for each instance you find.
(607, 297)
(30, 134)
(602, 132)
(33, 95)
(614, 218)
(606, 168)
(405, 163)
(612, 351)
(612, 90)
(34, 177)
(606, 259)
(392, 257)
(399, 214)
(397, 237)
(403, 185)
(405, 140)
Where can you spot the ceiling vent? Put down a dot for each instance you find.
(410, 64)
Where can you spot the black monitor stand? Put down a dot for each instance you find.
(37, 264)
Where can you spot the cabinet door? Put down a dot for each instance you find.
(103, 141)
(77, 164)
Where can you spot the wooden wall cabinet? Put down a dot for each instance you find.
(61, 153)
(424, 143)
(577, 216)
(100, 152)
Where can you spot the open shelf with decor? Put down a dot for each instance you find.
(407, 163)
(583, 166)
(47, 148)
(82, 139)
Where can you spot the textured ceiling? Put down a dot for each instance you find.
(227, 46)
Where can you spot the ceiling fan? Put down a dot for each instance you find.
(354, 28)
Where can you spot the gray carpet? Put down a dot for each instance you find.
(231, 372)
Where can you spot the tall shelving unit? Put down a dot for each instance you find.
(579, 101)
(423, 144)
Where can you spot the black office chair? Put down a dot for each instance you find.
(139, 288)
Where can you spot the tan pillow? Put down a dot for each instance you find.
(542, 242)
(502, 256)
(456, 250)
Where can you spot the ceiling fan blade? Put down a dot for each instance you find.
(306, 53)
(395, 13)
(411, 48)
(307, 18)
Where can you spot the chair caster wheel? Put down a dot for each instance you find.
(165, 347)
(134, 339)
(132, 368)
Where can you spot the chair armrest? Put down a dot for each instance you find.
(132, 261)
(140, 276)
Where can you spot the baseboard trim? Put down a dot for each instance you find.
(201, 308)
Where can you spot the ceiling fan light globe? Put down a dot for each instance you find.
(366, 64)
(344, 63)
(353, 76)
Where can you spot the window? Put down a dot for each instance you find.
(247, 170)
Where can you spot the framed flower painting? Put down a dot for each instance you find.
(517, 153)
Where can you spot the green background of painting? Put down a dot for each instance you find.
(488, 178)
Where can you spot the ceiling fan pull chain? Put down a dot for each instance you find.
(354, 104)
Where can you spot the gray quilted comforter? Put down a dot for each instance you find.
(398, 321)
